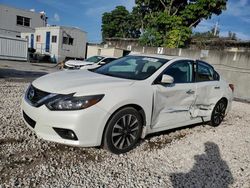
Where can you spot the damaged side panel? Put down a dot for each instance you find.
(175, 104)
(208, 94)
(171, 104)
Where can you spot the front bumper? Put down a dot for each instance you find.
(67, 67)
(88, 124)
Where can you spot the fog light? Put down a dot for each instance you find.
(66, 133)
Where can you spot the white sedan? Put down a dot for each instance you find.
(123, 101)
(89, 63)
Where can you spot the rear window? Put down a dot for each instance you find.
(205, 72)
(94, 59)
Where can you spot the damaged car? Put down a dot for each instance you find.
(121, 102)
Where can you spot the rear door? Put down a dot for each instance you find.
(172, 102)
(209, 90)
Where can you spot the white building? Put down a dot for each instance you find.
(13, 21)
(59, 42)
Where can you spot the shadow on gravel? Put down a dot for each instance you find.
(171, 134)
(209, 170)
(19, 74)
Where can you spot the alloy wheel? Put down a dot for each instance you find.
(125, 131)
(219, 113)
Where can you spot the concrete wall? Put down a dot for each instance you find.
(93, 50)
(234, 67)
(98, 50)
(8, 21)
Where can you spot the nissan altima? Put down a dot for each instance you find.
(117, 104)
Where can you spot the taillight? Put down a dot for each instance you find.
(231, 87)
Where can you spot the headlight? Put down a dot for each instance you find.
(69, 102)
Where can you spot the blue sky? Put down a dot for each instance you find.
(86, 14)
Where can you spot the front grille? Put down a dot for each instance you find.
(34, 95)
(30, 121)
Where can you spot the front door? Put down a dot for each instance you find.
(47, 45)
(32, 41)
(172, 103)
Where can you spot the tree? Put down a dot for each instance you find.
(174, 19)
(119, 23)
(166, 23)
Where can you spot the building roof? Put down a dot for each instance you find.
(59, 27)
(20, 9)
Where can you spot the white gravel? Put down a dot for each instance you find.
(200, 156)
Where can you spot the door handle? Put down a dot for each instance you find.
(217, 87)
(190, 92)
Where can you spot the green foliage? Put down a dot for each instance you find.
(165, 22)
(119, 23)
(177, 37)
(151, 38)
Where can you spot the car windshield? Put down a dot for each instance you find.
(94, 59)
(132, 67)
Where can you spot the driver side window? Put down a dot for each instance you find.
(181, 71)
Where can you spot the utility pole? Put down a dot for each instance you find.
(216, 28)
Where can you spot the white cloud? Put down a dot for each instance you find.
(240, 10)
(239, 35)
(129, 4)
(242, 36)
(97, 11)
(59, 5)
(243, 2)
(56, 17)
(247, 20)
(205, 25)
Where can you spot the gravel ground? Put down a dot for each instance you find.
(197, 156)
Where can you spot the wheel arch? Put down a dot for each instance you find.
(135, 106)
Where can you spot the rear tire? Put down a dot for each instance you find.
(218, 113)
(123, 131)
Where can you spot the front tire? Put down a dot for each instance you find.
(123, 131)
(218, 113)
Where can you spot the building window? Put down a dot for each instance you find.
(23, 21)
(71, 41)
(38, 38)
(68, 40)
(54, 39)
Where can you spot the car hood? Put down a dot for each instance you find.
(78, 63)
(78, 81)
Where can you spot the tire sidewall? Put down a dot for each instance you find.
(108, 144)
(212, 116)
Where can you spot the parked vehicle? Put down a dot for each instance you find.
(117, 104)
(89, 63)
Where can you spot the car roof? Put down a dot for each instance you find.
(109, 57)
(103, 56)
(168, 57)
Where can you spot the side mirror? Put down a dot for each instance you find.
(102, 63)
(166, 79)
